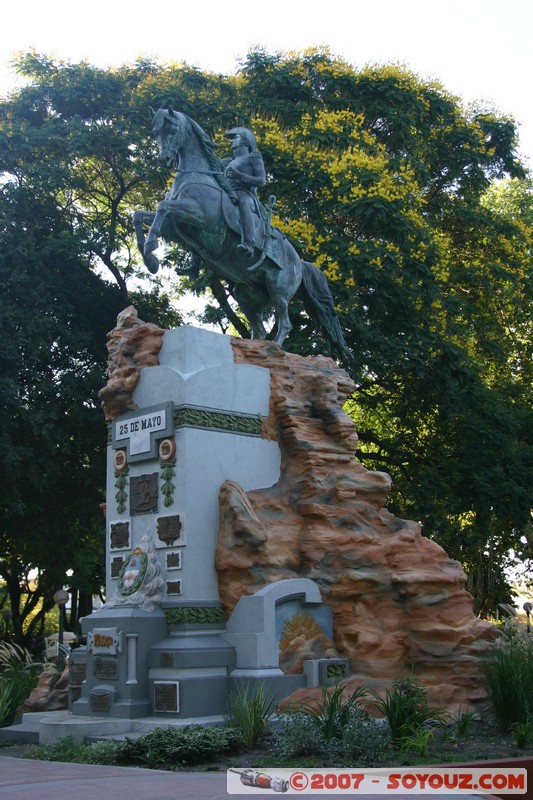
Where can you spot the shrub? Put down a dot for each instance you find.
(523, 732)
(18, 676)
(168, 748)
(464, 722)
(335, 729)
(361, 740)
(8, 704)
(418, 741)
(334, 711)
(64, 750)
(249, 712)
(406, 709)
(509, 678)
(297, 736)
(178, 747)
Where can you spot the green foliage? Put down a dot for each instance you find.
(18, 676)
(416, 208)
(464, 722)
(417, 741)
(509, 677)
(523, 732)
(164, 748)
(179, 747)
(104, 752)
(8, 702)
(333, 712)
(362, 739)
(249, 711)
(65, 750)
(406, 710)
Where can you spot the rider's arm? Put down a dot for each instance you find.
(255, 179)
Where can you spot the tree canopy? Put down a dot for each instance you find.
(417, 209)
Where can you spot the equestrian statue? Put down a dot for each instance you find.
(213, 211)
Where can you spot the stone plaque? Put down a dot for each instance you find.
(169, 529)
(174, 560)
(166, 696)
(332, 669)
(101, 700)
(173, 587)
(104, 641)
(120, 534)
(336, 671)
(116, 566)
(105, 668)
(138, 432)
(77, 672)
(143, 494)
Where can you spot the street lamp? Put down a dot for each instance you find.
(61, 598)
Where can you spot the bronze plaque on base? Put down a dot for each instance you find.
(143, 494)
(169, 529)
(166, 696)
(101, 700)
(105, 668)
(120, 534)
(77, 673)
(116, 566)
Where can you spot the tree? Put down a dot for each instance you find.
(389, 185)
(55, 312)
(387, 182)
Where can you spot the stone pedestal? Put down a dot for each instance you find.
(182, 422)
(116, 679)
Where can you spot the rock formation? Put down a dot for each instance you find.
(398, 601)
(132, 345)
(50, 694)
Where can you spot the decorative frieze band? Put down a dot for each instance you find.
(195, 615)
(248, 424)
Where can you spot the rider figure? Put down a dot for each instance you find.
(245, 173)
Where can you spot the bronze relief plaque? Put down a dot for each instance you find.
(116, 566)
(120, 534)
(144, 494)
(105, 668)
(169, 529)
(166, 696)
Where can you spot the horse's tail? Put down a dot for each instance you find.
(319, 304)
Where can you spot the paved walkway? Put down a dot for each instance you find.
(25, 779)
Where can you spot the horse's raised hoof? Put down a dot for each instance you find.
(152, 263)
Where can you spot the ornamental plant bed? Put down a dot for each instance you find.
(484, 743)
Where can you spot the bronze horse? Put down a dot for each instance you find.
(198, 214)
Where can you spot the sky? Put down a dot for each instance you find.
(480, 50)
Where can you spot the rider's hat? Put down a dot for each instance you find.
(246, 135)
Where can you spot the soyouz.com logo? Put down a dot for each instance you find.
(411, 780)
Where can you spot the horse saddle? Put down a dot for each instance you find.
(268, 239)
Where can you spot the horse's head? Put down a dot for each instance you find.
(167, 127)
(180, 139)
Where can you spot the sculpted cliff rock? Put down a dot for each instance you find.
(132, 345)
(398, 601)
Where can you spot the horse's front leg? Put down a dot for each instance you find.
(141, 220)
(151, 244)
